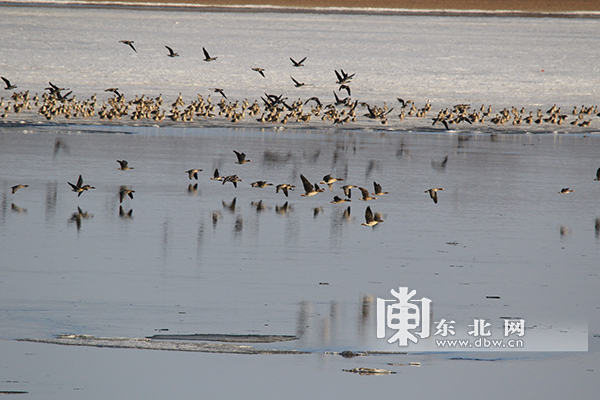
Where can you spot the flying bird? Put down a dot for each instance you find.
(216, 176)
(284, 187)
(597, 175)
(125, 192)
(8, 85)
(171, 52)
(338, 200)
(124, 165)
(17, 187)
(296, 83)
(566, 190)
(241, 158)
(193, 173)
(365, 194)
(233, 179)
(260, 71)
(298, 63)
(433, 193)
(309, 189)
(329, 180)
(378, 191)
(347, 190)
(370, 219)
(80, 187)
(207, 57)
(128, 43)
(220, 91)
(260, 184)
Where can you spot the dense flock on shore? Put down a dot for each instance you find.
(55, 104)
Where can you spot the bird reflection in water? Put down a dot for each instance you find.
(320, 324)
(215, 217)
(259, 206)
(564, 231)
(283, 209)
(78, 217)
(17, 209)
(193, 189)
(125, 215)
(238, 226)
(229, 206)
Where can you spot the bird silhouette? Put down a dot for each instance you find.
(8, 84)
(207, 57)
(128, 43)
(171, 52)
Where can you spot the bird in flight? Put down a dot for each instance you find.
(241, 158)
(220, 91)
(128, 43)
(296, 83)
(370, 219)
(17, 187)
(309, 189)
(207, 56)
(8, 85)
(260, 71)
(298, 63)
(171, 52)
(193, 173)
(433, 194)
(125, 192)
(80, 187)
(124, 165)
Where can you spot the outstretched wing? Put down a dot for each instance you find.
(308, 187)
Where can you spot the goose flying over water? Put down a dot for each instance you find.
(347, 190)
(338, 200)
(378, 191)
(80, 187)
(566, 190)
(17, 187)
(433, 194)
(171, 52)
(370, 219)
(124, 165)
(233, 179)
(8, 85)
(123, 191)
(329, 181)
(365, 194)
(207, 56)
(309, 189)
(193, 173)
(284, 187)
(597, 175)
(216, 176)
(241, 158)
(128, 43)
(260, 184)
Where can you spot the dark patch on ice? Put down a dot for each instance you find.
(227, 338)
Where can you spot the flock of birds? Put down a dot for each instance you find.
(310, 189)
(277, 109)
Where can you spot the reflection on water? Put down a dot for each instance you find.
(277, 265)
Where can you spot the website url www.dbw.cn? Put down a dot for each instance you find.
(480, 343)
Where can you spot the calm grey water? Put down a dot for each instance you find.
(500, 229)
